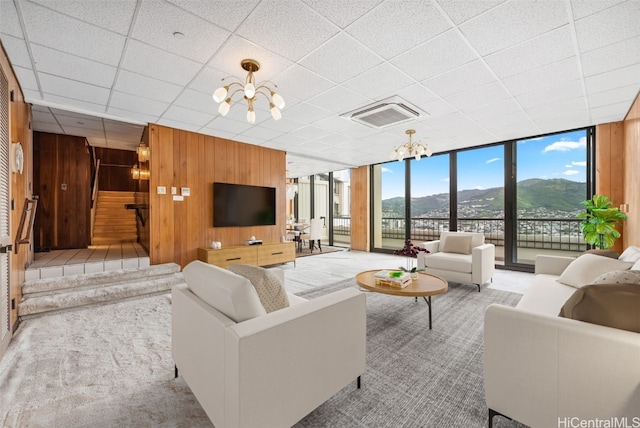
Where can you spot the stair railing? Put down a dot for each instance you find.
(24, 236)
(94, 196)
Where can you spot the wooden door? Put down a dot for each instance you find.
(62, 180)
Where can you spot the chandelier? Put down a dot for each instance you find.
(410, 149)
(250, 92)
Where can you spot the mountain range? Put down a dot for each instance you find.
(553, 195)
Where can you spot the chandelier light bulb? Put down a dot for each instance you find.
(220, 93)
(417, 157)
(277, 100)
(249, 90)
(275, 112)
(251, 115)
(224, 107)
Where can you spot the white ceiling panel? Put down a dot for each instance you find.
(378, 28)
(71, 35)
(617, 23)
(513, 22)
(438, 55)
(483, 71)
(157, 23)
(289, 28)
(338, 49)
(62, 64)
(545, 49)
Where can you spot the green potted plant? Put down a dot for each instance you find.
(599, 222)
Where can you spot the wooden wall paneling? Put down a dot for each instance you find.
(115, 169)
(360, 217)
(631, 129)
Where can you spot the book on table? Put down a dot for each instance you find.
(392, 278)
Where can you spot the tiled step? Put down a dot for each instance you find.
(44, 272)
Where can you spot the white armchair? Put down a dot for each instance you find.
(459, 256)
(248, 368)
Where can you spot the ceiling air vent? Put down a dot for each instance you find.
(383, 113)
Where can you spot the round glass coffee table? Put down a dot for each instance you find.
(424, 286)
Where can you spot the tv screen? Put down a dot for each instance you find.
(242, 205)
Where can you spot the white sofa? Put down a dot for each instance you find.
(266, 369)
(542, 370)
(477, 267)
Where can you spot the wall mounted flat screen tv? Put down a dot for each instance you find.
(242, 205)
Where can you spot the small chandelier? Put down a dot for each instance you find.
(410, 149)
(143, 153)
(250, 91)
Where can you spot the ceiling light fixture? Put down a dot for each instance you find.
(143, 152)
(410, 149)
(250, 91)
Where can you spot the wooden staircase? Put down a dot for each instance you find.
(113, 222)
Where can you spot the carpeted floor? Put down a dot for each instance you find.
(418, 377)
(111, 365)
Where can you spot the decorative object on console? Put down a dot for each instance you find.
(599, 222)
(250, 91)
(410, 149)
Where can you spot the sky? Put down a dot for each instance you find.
(554, 156)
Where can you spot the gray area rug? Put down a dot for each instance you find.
(417, 377)
(111, 366)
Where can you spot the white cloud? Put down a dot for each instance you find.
(568, 166)
(571, 172)
(579, 163)
(565, 146)
(492, 160)
(385, 169)
(446, 180)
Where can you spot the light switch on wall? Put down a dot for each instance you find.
(174, 191)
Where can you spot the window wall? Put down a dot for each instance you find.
(341, 205)
(523, 194)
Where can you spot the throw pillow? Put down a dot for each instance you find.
(619, 277)
(611, 305)
(270, 288)
(457, 244)
(587, 267)
(631, 254)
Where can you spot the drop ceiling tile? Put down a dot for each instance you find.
(513, 22)
(617, 55)
(74, 104)
(198, 101)
(583, 8)
(617, 95)
(219, 12)
(283, 125)
(217, 133)
(79, 122)
(71, 89)
(120, 100)
(337, 124)
(546, 49)
(178, 125)
(379, 81)
(460, 79)
(78, 38)
(509, 119)
(225, 124)
(156, 23)
(619, 109)
(9, 21)
(311, 132)
(417, 94)
(551, 95)
(353, 57)
(207, 80)
(289, 140)
(73, 67)
(575, 119)
(53, 128)
(121, 145)
(17, 51)
(82, 131)
(378, 29)
(260, 133)
(192, 117)
(543, 77)
(302, 83)
(609, 26)
(452, 120)
(152, 62)
(461, 11)
(111, 15)
(613, 79)
(557, 109)
(436, 56)
(340, 12)
(27, 78)
(479, 96)
(227, 61)
(132, 115)
(112, 126)
(146, 87)
(31, 95)
(496, 109)
(438, 108)
(339, 99)
(43, 116)
(97, 142)
(291, 29)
